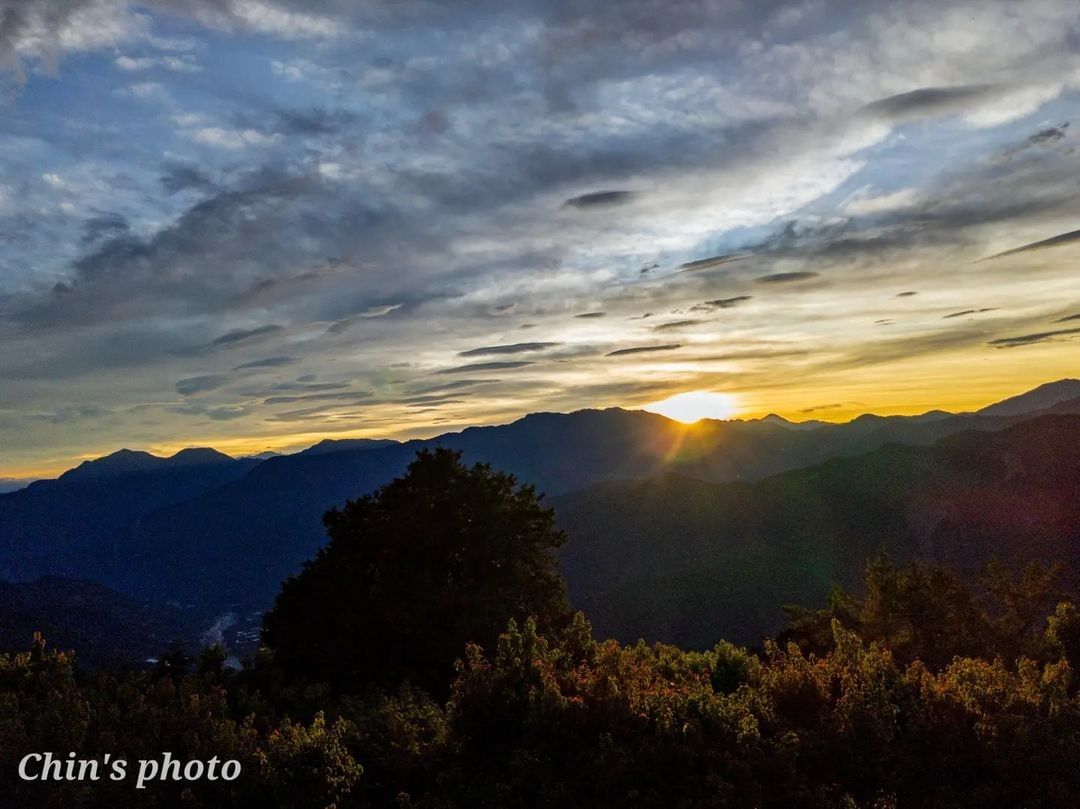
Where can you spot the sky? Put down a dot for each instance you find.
(253, 224)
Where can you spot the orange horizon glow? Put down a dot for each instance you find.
(746, 405)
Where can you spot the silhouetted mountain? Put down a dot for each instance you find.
(222, 535)
(125, 461)
(328, 445)
(780, 421)
(1043, 397)
(107, 629)
(263, 456)
(72, 525)
(686, 561)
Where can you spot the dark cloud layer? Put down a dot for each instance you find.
(1053, 241)
(969, 312)
(484, 366)
(928, 101)
(513, 348)
(709, 263)
(786, 277)
(243, 335)
(201, 384)
(267, 362)
(622, 352)
(1031, 339)
(1044, 137)
(721, 303)
(599, 199)
(105, 225)
(676, 324)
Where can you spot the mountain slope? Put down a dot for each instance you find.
(70, 526)
(1044, 397)
(688, 562)
(222, 535)
(104, 627)
(233, 545)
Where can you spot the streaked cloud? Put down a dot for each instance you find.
(622, 352)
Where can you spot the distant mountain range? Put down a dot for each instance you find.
(217, 535)
(687, 561)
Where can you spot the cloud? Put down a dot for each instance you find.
(417, 401)
(1044, 137)
(183, 63)
(677, 324)
(346, 396)
(104, 225)
(931, 101)
(748, 354)
(268, 362)
(66, 415)
(233, 139)
(245, 335)
(455, 385)
(709, 263)
(179, 177)
(1030, 339)
(306, 382)
(621, 352)
(224, 413)
(439, 162)
(969, 312)
(786, 277)
(907, 294)
(513, 348)
(865, 203)
(1068, 318)
(816, 408)
(146, 91)
(599, 199)
(201, 384)
(721, 303)
(380, 311)
(591, 315)
(313, 121)
(1053, 241)
(484, 366)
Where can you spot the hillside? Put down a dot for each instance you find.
(219, 535)
(686, 561)
(70, 526)
(232, 545)
(107, 629)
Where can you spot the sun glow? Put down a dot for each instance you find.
(696, 405)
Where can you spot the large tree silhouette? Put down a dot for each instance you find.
(442, 556)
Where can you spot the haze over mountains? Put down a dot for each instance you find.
(670, 525)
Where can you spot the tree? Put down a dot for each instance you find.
(438, 558)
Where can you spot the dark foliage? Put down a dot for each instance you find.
(442, 556)
(929, 614)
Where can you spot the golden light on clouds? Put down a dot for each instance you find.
(696, 405)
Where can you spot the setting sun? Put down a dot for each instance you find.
(695, 405)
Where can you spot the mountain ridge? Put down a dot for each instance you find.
(685, 561)
(221, 536)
